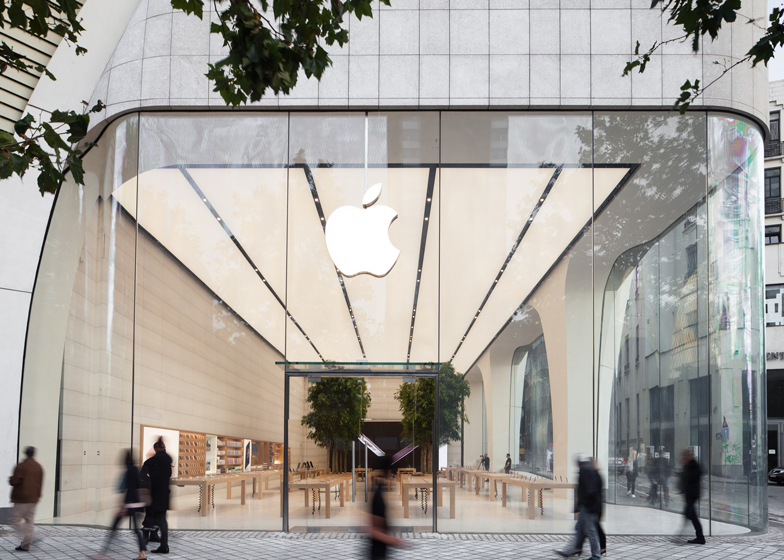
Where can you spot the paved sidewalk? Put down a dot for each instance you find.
(67, 542)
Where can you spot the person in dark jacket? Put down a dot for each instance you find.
(156, 475)
(132, 505)
(380, 537)
(508, 464)
(690, 488)
(589, 506)
(26, 483)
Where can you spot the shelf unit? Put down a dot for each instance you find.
(192, 454)
(230, 452)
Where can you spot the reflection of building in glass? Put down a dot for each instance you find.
(535, 452)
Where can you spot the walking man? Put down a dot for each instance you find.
(156, 475)
(690, 488)
(26, 482)
(589, 506)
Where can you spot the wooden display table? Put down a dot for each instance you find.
(464, 475)
(532, 485)
(451, 472)
(314, 485)
(425, 483)
(207, 485)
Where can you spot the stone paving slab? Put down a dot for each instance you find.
(71, 542)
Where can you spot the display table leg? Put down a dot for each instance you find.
(451, 502)
(503, 494)
(307, 498)
(243, 488)
(260, 491)
(204, 490)
(479, 480)
(266, 483)
(228, 489)
(440, 497)
(342, 493)
(405, 501)
(328, 501)
(531, 503)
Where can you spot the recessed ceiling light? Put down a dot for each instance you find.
(428, 200)
(256, 269)
(219, 218)
(317, 200)
(204, 199)
(322, 218)
(426, 219)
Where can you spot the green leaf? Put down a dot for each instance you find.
(195, 7)
(23, 125)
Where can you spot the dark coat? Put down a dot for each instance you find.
(589, 490)
(690, 480)
(131, 485)
(27, 482)
(156, 475)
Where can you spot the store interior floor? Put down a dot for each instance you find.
(474, 513)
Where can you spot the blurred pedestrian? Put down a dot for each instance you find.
(508, 464)
(27, 483)
(132, 505)
(380, 538)
(632, 470)
(653, 475)
(156, 475)
(690, 488)
(664, 478)
(589, 508)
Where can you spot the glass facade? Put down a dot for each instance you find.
(594, 277)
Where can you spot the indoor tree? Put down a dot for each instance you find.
(417, 403)
(338, 407)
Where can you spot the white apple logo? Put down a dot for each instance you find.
(358, 240)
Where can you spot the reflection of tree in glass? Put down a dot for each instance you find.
(338, 406)
(417, 402)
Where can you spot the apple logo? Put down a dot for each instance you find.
(358, 239)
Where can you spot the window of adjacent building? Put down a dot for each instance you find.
(772, 235)
(773, 145)
(773, 190)
(626, 359)
(774, 305)
(691, 259)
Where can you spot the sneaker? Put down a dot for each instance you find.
(697, 540)
(634, 496)
(628, 493)
(20, 549)
(567, 554)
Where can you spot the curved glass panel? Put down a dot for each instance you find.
(593, 278)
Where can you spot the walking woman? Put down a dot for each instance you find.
(132, 505)
(631, 473)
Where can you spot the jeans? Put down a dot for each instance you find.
(158, 519)
(631, 481)
(587, 524)
(690, 513)
(131, 513)
(22, 518)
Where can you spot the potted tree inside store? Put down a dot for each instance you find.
(338, 406)
(417, 403)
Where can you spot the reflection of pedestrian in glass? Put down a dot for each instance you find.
(690, 488)
(508, 464)
(664, 478)
(487, 462)
(589, 506)
(653, 475)
(132, 505)
(632, 470)
(380, 538)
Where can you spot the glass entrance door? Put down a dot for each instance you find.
(344, 424)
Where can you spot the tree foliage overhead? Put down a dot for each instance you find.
(700, 19)
(268, 47)
(417, 403)
(269, 42)
(338, 407)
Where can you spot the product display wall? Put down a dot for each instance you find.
(606, 260)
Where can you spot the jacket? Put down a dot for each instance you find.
(690, 480)
(156, 475)
(589, 490)
(27, 482)
(131, 485)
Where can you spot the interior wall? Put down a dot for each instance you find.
(473, 428)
